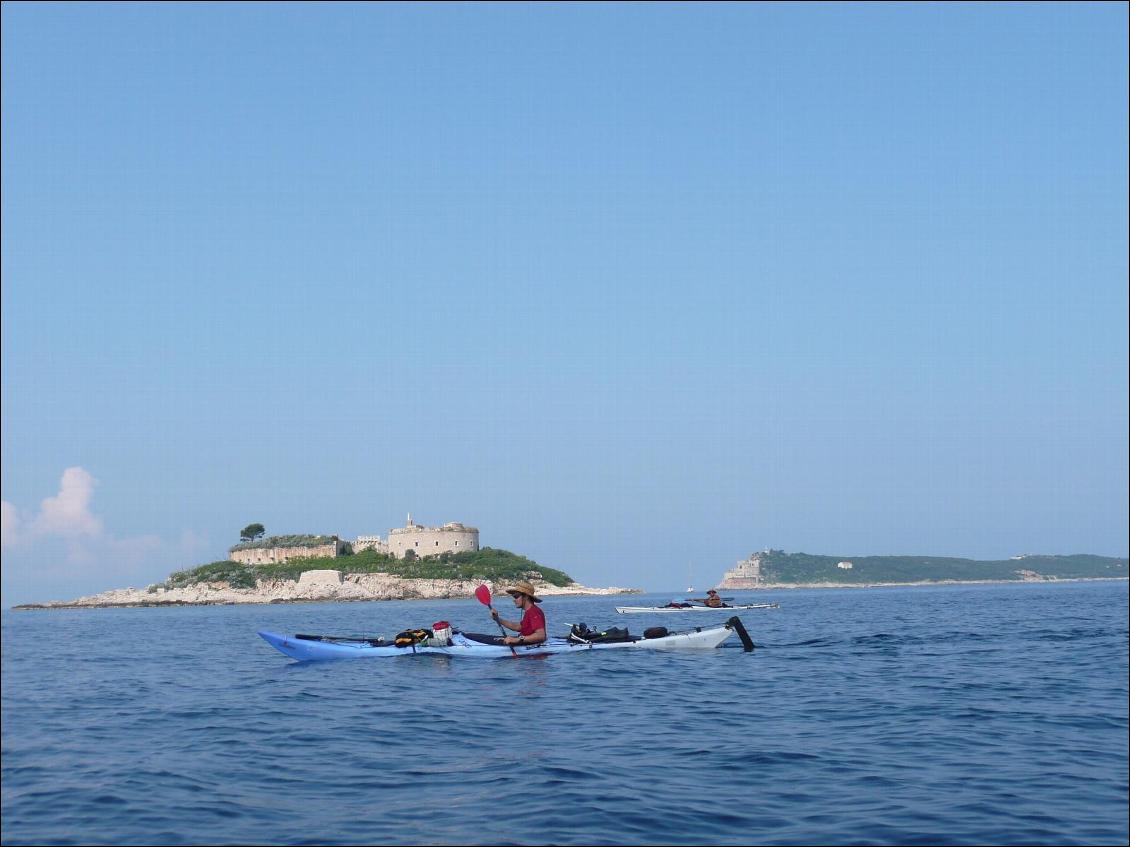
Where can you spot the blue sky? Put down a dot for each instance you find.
(635, 289)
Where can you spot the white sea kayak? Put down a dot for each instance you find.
(321, 647)
(640, 610)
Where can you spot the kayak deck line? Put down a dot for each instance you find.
(305, 647)
(372, 642)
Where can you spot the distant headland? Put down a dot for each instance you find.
(778, 569)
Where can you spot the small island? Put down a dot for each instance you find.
(320, 568)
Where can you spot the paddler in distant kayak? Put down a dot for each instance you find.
(531, 629)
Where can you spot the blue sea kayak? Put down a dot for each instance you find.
(321, 647)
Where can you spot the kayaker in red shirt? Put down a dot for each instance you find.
(531, 629)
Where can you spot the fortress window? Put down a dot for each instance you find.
(437, 544)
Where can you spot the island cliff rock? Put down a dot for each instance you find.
(311, 586)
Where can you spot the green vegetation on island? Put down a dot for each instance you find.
(488, 564)
(777, 566)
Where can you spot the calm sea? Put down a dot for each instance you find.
(988, 714)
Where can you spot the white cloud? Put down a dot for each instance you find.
(67, 514)
(63, 548)
(9, 525)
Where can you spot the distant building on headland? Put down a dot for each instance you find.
(745, 574)
(423, 541)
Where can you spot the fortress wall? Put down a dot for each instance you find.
(370, 542)
(279, 555)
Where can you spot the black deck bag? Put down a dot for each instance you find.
(411, 636)
(655, 632)
(581, 632)
(614, 634)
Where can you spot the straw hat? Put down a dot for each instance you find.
(523, 587)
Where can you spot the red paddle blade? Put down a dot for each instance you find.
(482, 594)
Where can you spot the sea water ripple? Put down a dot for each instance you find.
(987, 714)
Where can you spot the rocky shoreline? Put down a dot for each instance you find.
(311, 587)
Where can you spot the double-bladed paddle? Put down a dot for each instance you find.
(482, 594)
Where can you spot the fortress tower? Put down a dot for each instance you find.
(744, 575)
(425, 541)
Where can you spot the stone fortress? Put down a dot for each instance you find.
(452, 537)
(422, 541)
(744, 575)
